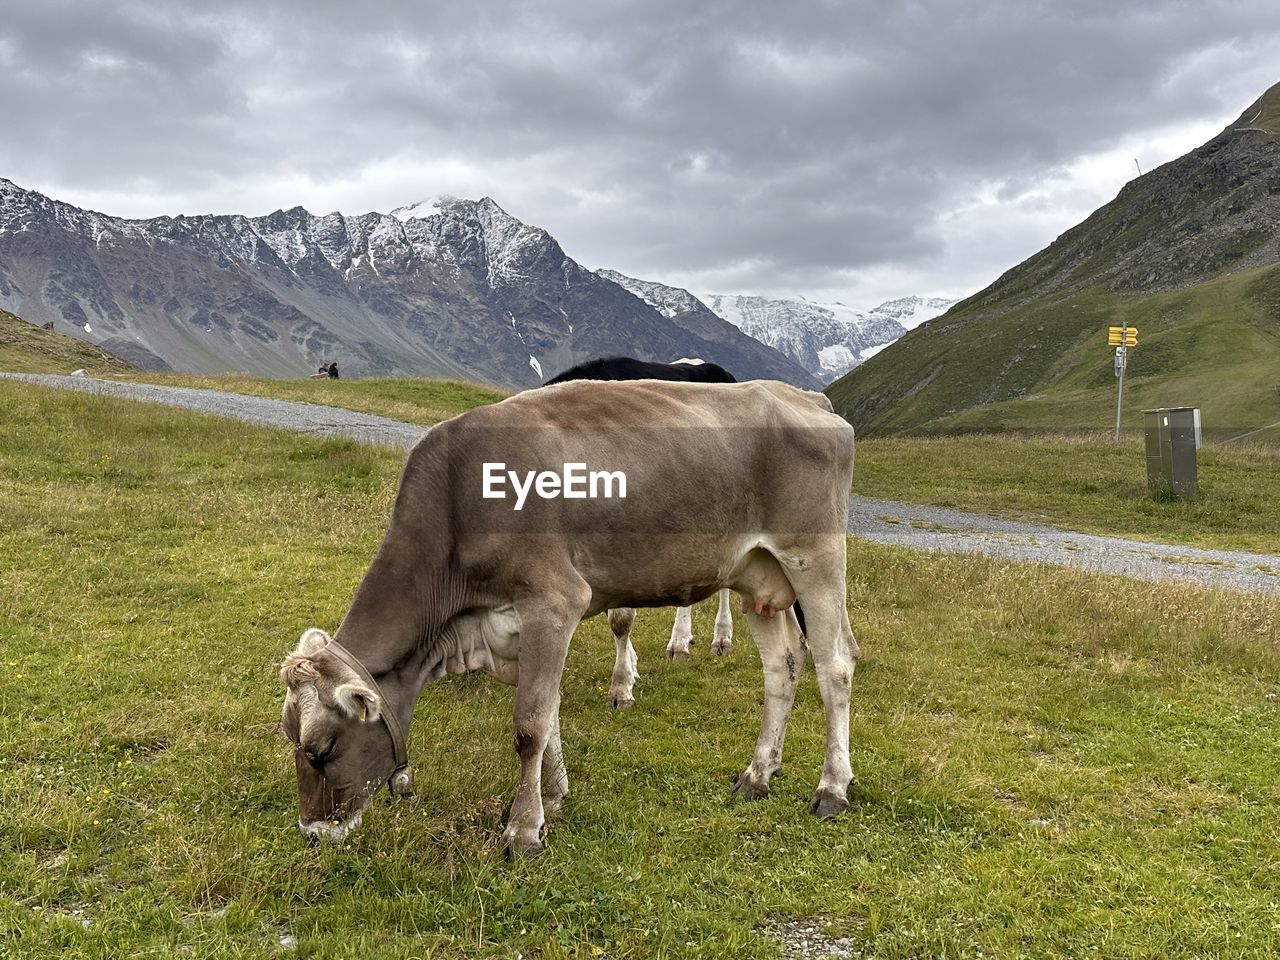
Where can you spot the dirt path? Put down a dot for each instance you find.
(882, 521)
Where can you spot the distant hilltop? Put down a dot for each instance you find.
(1187, 252)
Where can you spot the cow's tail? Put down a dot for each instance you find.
(804, 632)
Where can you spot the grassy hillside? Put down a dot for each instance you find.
(1187, 252)
(1215, 345)
(1040, 772)
(25, 348)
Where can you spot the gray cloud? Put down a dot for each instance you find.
(790, 147)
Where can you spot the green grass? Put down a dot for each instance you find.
(412, 400)
(25, 348)
(1049, 766)
(1087, 483)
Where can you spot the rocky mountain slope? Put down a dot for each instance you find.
(1184, 252)
(455, 288)
(689, 313)
(827, 339)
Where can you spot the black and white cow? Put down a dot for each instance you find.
(625, 674)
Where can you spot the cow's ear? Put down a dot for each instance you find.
(312, 642)
(358, 701)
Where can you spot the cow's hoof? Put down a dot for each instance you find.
(749, 788)
(621, 701)
(523, 845)
(828, 804)
(677, 653)
(721, 645)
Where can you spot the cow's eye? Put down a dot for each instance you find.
(319, 756)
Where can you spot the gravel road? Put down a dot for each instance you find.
(309, 418)
(882, 521)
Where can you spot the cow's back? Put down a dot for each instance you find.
(708, 468)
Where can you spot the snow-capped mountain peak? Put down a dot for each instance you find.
(668, 301)
(828, 339)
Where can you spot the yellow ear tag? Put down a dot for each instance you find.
(364, 712)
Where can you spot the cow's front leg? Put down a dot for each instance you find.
(681, 635)
(545, 629)
(625, 663)
(555, 778)
(782, 655)
(723, 641)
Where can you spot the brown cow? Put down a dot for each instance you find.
(496, 550)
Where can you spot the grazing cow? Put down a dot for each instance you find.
(743, 486)
(625, 662)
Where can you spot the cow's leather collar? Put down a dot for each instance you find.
(401, 782)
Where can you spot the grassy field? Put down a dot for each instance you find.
(1047, 768)
(1078, 482)
(1086, 483)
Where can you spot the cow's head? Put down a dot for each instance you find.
(343, 748)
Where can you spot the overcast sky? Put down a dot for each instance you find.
(850, 151)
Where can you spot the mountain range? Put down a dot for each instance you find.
(1187, 253)
(827, 339)
(447, 287)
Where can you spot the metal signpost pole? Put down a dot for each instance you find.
(1122, 361)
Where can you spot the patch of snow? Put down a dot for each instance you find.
(838, 356)
(691, 360)
(423, 208)
(537, 367)
(87, 328)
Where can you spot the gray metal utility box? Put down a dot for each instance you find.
(1173, 435)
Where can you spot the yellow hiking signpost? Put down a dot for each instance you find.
(1122, 338)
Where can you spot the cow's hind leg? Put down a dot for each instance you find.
(625, 664)
(835, 651)
(546, 624)
(681, 635)
(782, 656)
(723, 641)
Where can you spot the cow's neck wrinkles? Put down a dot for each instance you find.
(410, 591)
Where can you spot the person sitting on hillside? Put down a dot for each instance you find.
(322, 373)
(333, 370)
